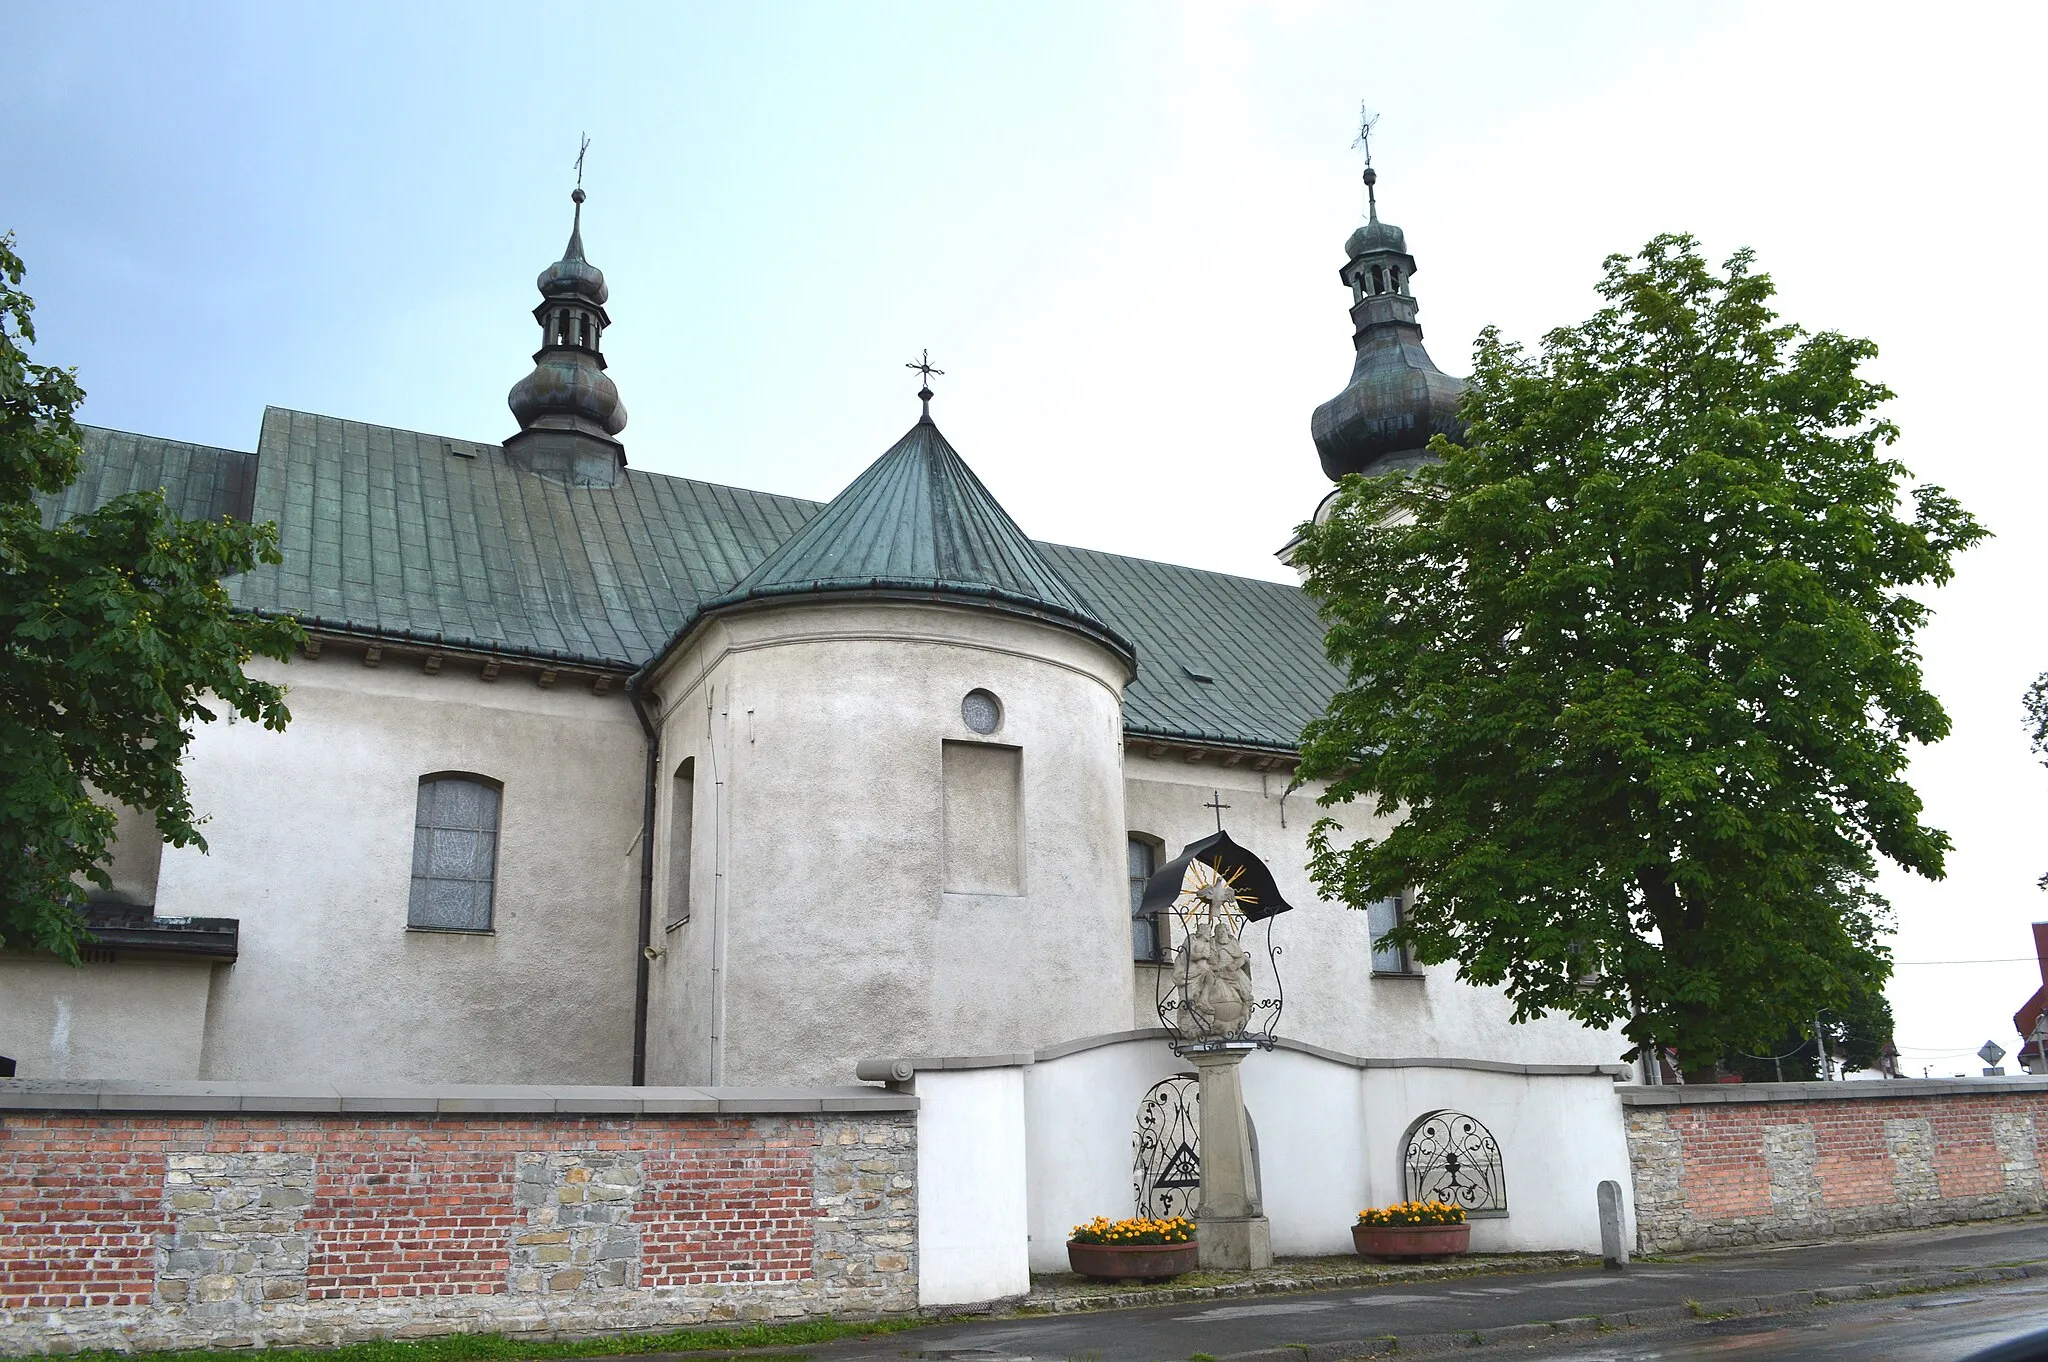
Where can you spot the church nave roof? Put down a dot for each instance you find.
(406, 536)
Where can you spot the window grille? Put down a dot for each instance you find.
(1450, 1157)
(1145, 942)
(1382, 917)
(454, 854)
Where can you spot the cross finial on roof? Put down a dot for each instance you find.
(584, 149)
(923, 365)
(1216, 803)
(1367, 121)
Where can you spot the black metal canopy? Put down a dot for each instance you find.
(1260, 896)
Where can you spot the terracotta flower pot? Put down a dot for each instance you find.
(1143, 1262)
(1410, 1241)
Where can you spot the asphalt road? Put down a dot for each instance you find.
(1937, 1328)
(1322, 1320)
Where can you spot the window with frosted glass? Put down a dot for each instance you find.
(454, 854)
(1145, 942)
(1382, 917)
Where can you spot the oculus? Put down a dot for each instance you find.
(981, 712)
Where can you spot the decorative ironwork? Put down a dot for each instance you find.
(1166, 1149)
(1451, 1157)
(1214, 995)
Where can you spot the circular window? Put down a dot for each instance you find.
(981, 711)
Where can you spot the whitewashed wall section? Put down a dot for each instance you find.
(1014, 1150)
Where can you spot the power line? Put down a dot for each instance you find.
(1997, 960)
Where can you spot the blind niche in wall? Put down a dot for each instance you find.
(984, 819)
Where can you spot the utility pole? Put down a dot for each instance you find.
(1820, 1040)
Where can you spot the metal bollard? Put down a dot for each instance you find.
(1613, 1247)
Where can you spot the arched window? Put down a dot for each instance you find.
(1450, 1157)
(1147, 944)
(1379, 280)
(454, 853)
(682, 823)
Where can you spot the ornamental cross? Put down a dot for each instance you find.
(1216, 803)
(585, 147)
(923, 364)
(1367, 121)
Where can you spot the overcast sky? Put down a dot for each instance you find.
(1117, 227)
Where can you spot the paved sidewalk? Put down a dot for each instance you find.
(1524, 1309)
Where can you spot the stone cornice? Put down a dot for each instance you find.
(448, 1099)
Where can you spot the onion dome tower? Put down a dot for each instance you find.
(568, 410)
(1397, 398)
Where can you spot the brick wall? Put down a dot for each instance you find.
(140, 1229)
(1749, 1163)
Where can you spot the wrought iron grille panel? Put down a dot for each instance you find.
(1166, 1150)
(1451, 1157)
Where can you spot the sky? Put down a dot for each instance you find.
(1117, 228)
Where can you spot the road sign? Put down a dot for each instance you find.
(1992, 1052)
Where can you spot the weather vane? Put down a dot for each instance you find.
(580, 151)
(923, 365)
(1367, 121)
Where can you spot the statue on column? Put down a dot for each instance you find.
(1217, 998)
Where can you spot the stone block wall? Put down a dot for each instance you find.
(1751, 1163)
(149, 1229)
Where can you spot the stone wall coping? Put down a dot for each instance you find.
(442, 1099)
(1700, 1094)
(902, 1070)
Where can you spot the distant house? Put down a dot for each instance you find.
(2029, 1018)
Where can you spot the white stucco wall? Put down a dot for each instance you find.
(1333, 998)
(972, 1220)
(140, 1019)
(311, 834)
(1330, 1143)
(818, 732)
(1080, 1115)
(1559, 1137)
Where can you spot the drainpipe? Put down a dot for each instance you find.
(642, 963)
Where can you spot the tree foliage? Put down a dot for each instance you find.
(2036, 702)
(117, 634)
(1634, 669)
(1857, 1033)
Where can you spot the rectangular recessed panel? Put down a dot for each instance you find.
(984, 819)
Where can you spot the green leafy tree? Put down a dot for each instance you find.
(117, 633)
(2037, 722)
(1857, 1033)
(1634, 671)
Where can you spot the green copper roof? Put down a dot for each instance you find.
(919, 521)
(410, 537)
(199, 481)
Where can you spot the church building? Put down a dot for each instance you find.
(600, 776)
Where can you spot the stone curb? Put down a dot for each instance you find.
(1734, 1307)
(1270, 1286)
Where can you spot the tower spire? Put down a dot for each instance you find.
(1397, 398)
(568, 408)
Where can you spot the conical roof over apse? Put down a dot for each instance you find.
(918, 523)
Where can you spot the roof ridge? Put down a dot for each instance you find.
(165, 439)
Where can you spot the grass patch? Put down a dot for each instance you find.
(498, 1348)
